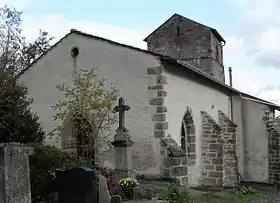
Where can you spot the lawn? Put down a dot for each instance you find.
(181, 195)
(165, 190)
(247, 198)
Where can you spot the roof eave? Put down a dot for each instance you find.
(247, 96)
(217, 35)
(251, 98)
(199, 73)
(146, 39)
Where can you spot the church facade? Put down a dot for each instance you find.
(185, 121)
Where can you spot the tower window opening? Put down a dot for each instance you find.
(178, 30)
(217, 53)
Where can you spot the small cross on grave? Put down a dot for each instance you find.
(121, 109)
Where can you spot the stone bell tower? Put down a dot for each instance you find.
(197, 44)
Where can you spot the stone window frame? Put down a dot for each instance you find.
(74, 141)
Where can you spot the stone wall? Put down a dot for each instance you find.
(230, 162)
(219, 160)
(208, 65)
(157, 95)
(189, 139)
(174, 162)
(211, 149)
(273, 147)
(184, 39)
(15, 174)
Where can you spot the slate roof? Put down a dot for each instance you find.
(178, 63)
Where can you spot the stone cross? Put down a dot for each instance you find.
(122, 143)
(121, 109)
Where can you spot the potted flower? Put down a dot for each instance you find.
(127, 185)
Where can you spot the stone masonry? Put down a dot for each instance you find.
(219, 160)
(174, 162)
(157, 92)
(122, 144)
(211, 149)
(187, 40)
(190, 136)
(15, 175)
(230, 162)
(273, 129)
(174, 159)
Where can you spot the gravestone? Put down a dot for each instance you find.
(104, 196)
(116, 199)
(122, 143)
(77, 185)
(14, 173)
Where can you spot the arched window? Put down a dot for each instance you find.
(83, 132)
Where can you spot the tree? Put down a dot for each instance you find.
(90, 104)
(15, 52)
(17, 122)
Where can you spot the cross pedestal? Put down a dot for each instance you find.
(122, 143)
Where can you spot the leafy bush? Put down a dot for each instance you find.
(249, 190)
(17, 122)
(177, 194)
(43, 162)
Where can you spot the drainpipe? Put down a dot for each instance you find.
(230, 76)
(230, 83)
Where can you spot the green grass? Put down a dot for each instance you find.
(252, 196)
(213, 198)
(161, 189)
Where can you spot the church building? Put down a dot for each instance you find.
(184, 120)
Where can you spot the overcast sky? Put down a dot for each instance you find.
(250, 27)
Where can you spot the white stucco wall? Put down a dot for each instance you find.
(255, 142)
(124, 67)
(182, 91)
(238, 120)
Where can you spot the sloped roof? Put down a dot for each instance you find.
(214, 31)
(187, 67)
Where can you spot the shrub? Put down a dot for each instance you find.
(43, 162)
(177, 194)
(17, 122)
